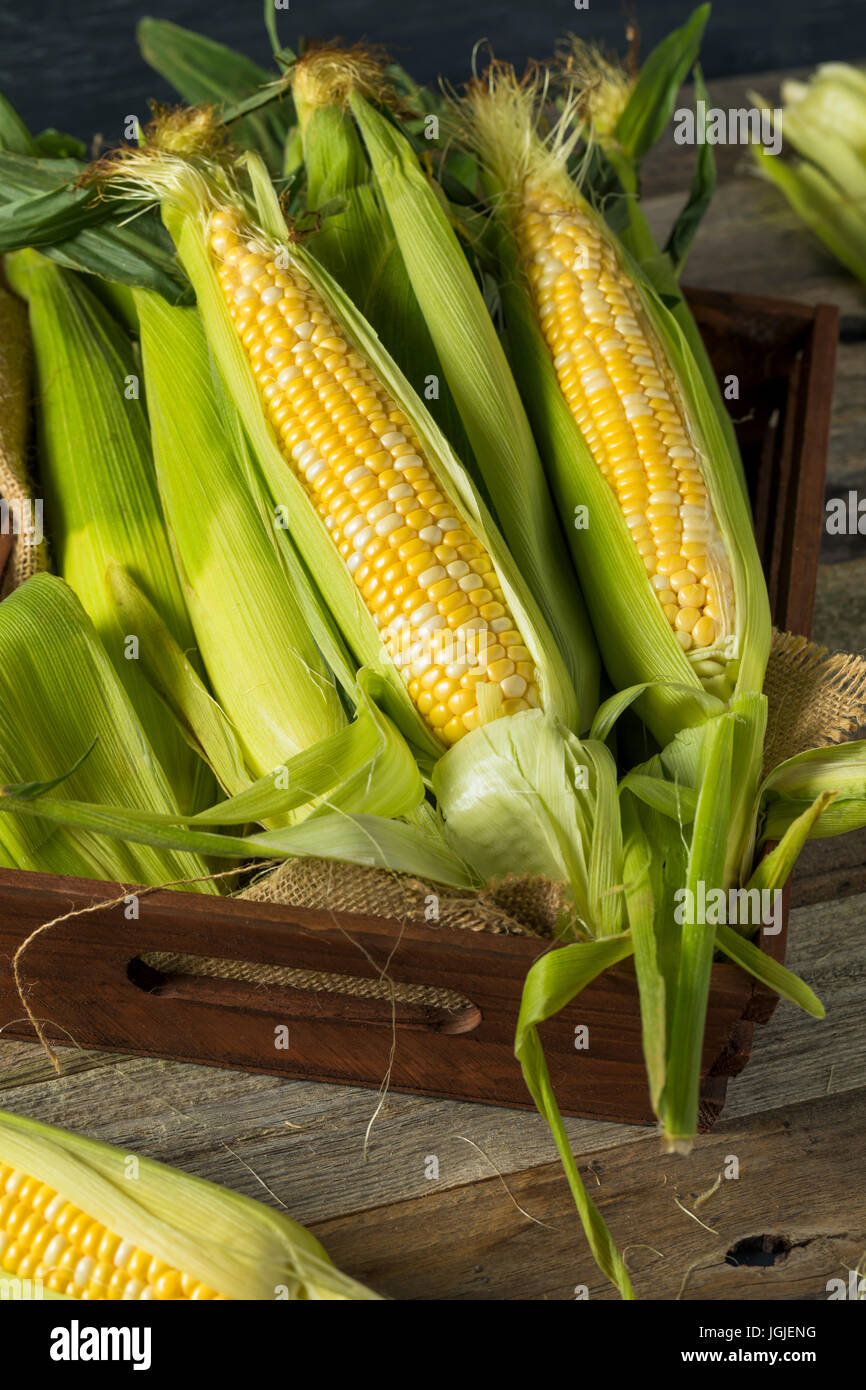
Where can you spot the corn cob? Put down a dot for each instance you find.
(43, 1236)
(418, 581)
(612, 371)
(617, 397)
(363, 468)
(87, 1221)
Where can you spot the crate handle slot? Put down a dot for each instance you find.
(289, 993)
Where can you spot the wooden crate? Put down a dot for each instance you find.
(86, 980)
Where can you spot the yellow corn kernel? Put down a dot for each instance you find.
(43, 1237)
(424, 579)
(614, 375)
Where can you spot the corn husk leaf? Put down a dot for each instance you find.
(654, 95)
(252, 634)
(62, 707)
(40, 205)
(525, 791)
(364, 839)
(236, 1246)
(825, 209)
(701, 190)
(552, 982)
(363, 766)
(97, 472)
(642, 907)
(15, 138)
(791, 789)
(770, 972)
(706, 864)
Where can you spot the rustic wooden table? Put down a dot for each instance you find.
(492, 1217)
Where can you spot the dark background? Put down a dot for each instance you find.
(76, 65)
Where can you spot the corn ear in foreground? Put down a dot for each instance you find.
(63, 711)
(639, 461)
(97, 473)
(85, 1220)
(385, 519)
(263, 666)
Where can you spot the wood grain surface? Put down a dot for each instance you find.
(795, 1119)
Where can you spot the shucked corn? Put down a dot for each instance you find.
(45, 1237)
(84, 1220)
(622, 394)
(430, 587)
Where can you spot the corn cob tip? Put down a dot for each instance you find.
(328, 73)
(176, 141)
(600, 84)
(499, 118)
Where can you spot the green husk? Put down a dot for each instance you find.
(706, 865)
(261, 661)
(370, 840)
(362, 766)
(824, 120)
(42, 205)
(525, 791)
(791, 789)
(97, 471)
(62, 707)
(238, 1247)
(552, 982)
(654, 95)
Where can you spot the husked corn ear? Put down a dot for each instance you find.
(427, 582)
(618, 385)
(42, 1236)
(84, 1220)
(634, 434)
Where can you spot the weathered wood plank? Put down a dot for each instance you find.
(800, 1182)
